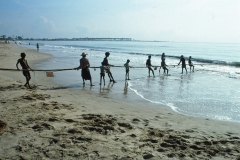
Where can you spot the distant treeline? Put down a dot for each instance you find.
(80, 39)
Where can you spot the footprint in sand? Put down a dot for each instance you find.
(42, 126)
(35, 96)
(135, 121)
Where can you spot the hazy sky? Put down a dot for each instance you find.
(166, 20)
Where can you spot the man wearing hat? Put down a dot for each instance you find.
(84, 65)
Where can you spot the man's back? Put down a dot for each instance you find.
(148, 63)
(105, 61)
(23, 63)
(84, 63)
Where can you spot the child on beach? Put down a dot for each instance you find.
(182, 59)
(149, 65)
(190, 63)
(102, 74)
(25, 67)
(105, 63)
(126, 65)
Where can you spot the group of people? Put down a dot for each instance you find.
(164, 66)
(104, 68)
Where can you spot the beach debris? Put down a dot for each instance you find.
(2, 125)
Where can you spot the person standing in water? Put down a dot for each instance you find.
(84, 65)
(190, 63)
(126, 65)
(105, 63)
(162, 57)
(149, 65)
(25, 67)
(182, 59)
(164, 66)
(37, 46)
(102, 74)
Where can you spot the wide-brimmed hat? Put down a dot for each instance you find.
(83, 54)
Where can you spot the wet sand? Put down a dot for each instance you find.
(55, 122)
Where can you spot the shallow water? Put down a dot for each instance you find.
(212, 91)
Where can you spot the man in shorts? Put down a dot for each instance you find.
(107, 65)
(149, 65)
(182, 59)
(25, 67)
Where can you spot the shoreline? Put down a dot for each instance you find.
(51, 121)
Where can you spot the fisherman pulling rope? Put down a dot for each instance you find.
(25, 67)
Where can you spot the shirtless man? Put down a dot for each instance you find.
(182, 59)
(149, 65)
(25, 67)
(107, 65)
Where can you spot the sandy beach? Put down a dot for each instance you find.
(54, 122)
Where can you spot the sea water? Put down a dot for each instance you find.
(211, 91)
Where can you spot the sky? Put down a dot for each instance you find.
(162, 20)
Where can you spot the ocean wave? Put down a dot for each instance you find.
(116, 50)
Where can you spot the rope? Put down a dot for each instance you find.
(45, 70)
(68, 69)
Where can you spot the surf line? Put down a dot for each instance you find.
(67, 69)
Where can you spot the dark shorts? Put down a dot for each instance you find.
(127, 70)
(150, 68)
(108, 70)
(102, 74)
(26, 73)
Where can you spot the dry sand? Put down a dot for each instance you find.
(54, 122)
